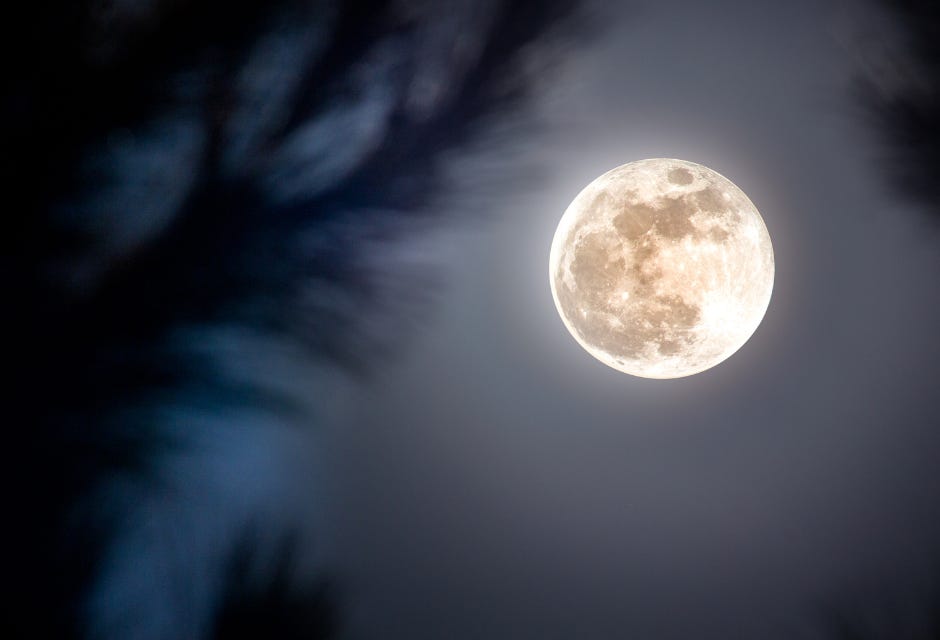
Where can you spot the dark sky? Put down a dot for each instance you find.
(282, 317)
(497, 482)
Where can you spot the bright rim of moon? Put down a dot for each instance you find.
(661, 268)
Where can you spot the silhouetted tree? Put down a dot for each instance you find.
(192, 188)
(909, 104)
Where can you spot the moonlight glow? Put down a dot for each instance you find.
(661, 268)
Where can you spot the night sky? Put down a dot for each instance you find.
(499, 482)
(287, 356)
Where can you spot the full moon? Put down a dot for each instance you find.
(661, 268)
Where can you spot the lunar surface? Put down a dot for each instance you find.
(661, 268)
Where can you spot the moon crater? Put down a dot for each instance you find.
(661, 268)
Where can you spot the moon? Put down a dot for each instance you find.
(661, 268)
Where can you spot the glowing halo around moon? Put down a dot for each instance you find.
(661, 268)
